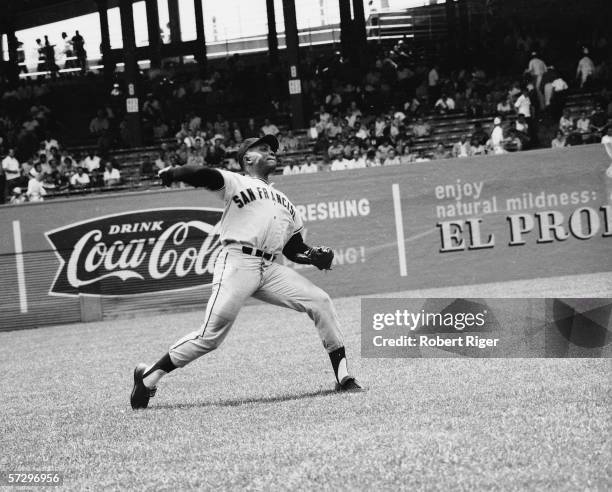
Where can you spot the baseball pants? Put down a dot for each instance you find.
(237, 277)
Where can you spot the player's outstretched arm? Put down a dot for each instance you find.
(198, 176)
(298, 252)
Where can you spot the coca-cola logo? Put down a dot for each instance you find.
(137, 252)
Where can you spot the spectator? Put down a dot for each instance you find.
(18, 197)
(231, 148)
(269, 128)
(251, 130)
(422, 157)
(445, 104)
(45, 166)
(351, 158)
(67, 51)
(112, 176)
(521, 125)
(513, 142)
(50, 56)
(585, 68)
(334, 128)
(599, 120)
(421, 128)
(383, 150)
(78, 44)
(288, 142)
(361, 132)
(566, 123)
(313, 131)
(183, 133)
(392, 158)
(496, 142)
(195, 122)
(41, 56)
(309, 166)
(397, 115)
(462, 148)
(324, 116)
(514, 91)
(339, 163)
(335, 150)
(333, 100)
(433, 83)
(216, 153)
(195, 157)
(96, 179)
(35, 171)
(359, 159)
(537, 68)
(36, 190)
(440, 152)
(236, 133)
(99, 125)
(412, 106)
(479, 137)
(56, 181)
(12, 170)
(49, 143)
(407, 157)
(292, 167)
(371, 160)
(66, 166)
(583, 124)
(559, 141)
(91, 161)
(504, 106)
(160, 129)
(161, 162)
(523, 104)
(221, 126)
(558, 96)
(80, 179)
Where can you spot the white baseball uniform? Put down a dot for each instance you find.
(257, 222)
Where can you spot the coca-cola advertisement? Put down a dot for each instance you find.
(137, 252)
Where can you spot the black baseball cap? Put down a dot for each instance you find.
(271, 140)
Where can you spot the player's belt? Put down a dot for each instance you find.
(258, 252)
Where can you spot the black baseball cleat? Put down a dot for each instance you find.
(140, 393)
(350, 384)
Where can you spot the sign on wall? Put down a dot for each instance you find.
(444, 223)
(137, 252)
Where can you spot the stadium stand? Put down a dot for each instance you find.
(391, 90)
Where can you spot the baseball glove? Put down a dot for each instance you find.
(320, 257)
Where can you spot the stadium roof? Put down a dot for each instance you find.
(30, 13)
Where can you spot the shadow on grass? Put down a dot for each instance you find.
(246, 401)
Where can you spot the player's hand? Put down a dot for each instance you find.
(165, 176)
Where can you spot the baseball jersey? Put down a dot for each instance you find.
(256, 214)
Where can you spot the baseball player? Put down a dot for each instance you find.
(258, 224)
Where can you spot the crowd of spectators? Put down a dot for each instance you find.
(52, 169)
(381, 111)
(47, 56)
(348, 130)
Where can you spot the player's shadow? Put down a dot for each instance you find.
(245, 401)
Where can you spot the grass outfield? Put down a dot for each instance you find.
(259, 413)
